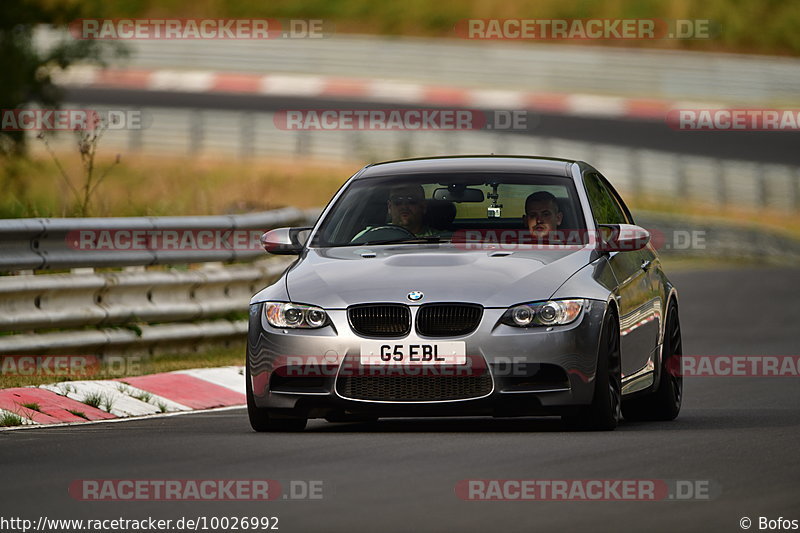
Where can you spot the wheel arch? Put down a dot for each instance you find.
(672, 296)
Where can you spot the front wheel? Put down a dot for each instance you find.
(262, 420)
(665, 402)
(604, 413)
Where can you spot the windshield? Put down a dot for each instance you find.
(420, 208)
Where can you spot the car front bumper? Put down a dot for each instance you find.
(533, 370)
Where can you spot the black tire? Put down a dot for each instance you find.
(665, 402)
(604, 413)
(262, 420)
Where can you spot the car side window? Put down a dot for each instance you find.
(605, 208)
(618, 200)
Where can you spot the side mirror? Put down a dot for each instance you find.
(621, 237)
(285, 241)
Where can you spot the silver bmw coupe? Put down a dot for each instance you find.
(467, 286)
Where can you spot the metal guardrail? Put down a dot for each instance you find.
(155, 310)
(30, 302)
(48, 243)
(666, 74)
(134, 310)
(145, 339)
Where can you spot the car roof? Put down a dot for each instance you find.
(472, 163)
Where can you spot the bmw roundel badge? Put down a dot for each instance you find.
(415, 295)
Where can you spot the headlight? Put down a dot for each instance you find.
(289, 315)
(550, 313)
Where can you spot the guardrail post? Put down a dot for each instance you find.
(135, 139)
(451, 143)
(546, 147)
(247, 134)
(636, 173)
(721, 183)
(591, 152)
(682, 190)
(356, 144)
(196, 125)
(302, 143)
(404, 148)
(795, 186)
(763, 192)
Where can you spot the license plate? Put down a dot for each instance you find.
(413, 353)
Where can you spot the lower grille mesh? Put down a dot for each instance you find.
(360, 385)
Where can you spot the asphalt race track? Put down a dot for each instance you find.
(399, 475)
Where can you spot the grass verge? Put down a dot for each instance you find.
(10, 419)
(146, 185)
(152, 365)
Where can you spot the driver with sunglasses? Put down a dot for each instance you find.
(406, 208)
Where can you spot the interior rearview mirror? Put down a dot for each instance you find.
(456, 193)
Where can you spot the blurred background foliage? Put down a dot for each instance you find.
(749, 26)
(26, 72)
(142, 185)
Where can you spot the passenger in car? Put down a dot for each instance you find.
(542, 215)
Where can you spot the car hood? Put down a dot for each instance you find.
(335, 278)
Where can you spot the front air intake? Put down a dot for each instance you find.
(380, 320)
(448, 320)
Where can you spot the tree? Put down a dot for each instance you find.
(26, 70)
